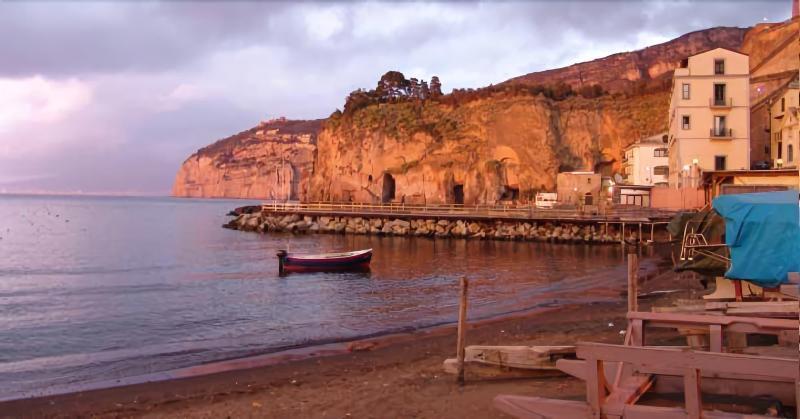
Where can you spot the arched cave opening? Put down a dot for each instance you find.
(388, 188)
(510, 193)
(458, 194)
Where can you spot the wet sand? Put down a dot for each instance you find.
(396, 376)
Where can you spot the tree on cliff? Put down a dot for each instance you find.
(393, 85)
(436, 87)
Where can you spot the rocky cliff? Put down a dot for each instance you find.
(502, 146)
(629, 71)
(405, 142)
(269, 161)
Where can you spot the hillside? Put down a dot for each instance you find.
(404, 141)
(627, 71)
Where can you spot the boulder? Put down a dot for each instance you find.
(401, 223)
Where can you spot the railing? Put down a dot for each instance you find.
(456, 210)
(721, 133)
(720, 102)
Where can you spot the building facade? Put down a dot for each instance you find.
(709, 120)
(646, 162)
(578, 188)
(784, 129)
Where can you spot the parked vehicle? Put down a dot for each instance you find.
(546, 200)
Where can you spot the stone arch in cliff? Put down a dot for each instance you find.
(294, 184)
(458, 194)
(388, 192)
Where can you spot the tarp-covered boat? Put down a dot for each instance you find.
(347, 261)
(762, 231)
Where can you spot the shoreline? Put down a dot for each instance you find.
(209, 382)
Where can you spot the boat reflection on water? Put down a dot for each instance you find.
(355, 261)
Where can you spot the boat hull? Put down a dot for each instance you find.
(355, 261)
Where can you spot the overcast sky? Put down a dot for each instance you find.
(111, 97)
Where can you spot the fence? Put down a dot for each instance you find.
(470, 211)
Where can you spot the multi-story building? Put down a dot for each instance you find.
(784, 129)
(646, 162)
(709, 122)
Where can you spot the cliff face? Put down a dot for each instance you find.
(499, 147)
(625, 71)
(472, 146)
(269, 161)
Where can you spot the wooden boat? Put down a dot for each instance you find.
(357, 260)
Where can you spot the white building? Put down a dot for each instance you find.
(646, 162)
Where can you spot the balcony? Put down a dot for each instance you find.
(720, 103)
(721, 134)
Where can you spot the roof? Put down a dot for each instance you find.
(770, 172)
(716, 48)
(656, 139)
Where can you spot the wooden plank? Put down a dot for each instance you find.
(650, 359)
(534, 357)
(595, 386)
(779, 390)
(494, 372)
(540, 408)
(691, 393)
(731, 323)
(577, 367)
(715, 337)
(653, 412)
(637, 332)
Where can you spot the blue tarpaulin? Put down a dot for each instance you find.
(762, 231)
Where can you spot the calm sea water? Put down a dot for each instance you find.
(98, 289)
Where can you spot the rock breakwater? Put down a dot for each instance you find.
(592, 232)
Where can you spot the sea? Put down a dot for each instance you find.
(105, 289)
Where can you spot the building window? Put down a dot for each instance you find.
(719, 94)
(660, 152)
(719, 162)
(661, 170)
(789, 153)
(719, 129)
(780, 149)
(719, 66)
(685, 121)
(783, 108)
(686, 90)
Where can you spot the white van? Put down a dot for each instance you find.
(546, 199)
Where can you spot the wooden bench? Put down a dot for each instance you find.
(606, 400)
(715, 325)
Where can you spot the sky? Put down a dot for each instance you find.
(111, 97)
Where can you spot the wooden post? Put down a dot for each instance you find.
(633, 277)
(462, 329)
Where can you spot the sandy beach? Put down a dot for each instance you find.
(395, 376)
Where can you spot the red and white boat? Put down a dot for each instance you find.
(357, 260)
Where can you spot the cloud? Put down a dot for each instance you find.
(35, 99)
(108, 96)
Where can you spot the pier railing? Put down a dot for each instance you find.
(471, 211)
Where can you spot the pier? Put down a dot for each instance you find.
(516, 222)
